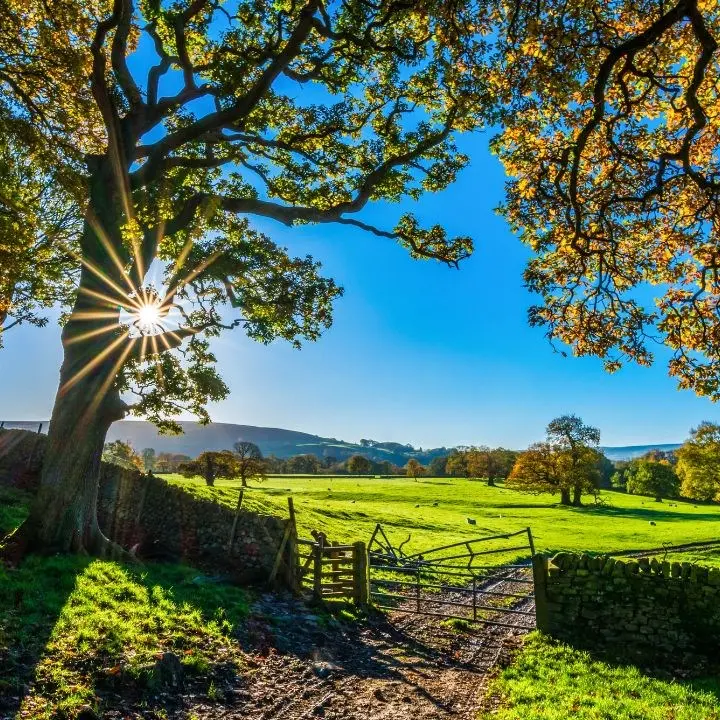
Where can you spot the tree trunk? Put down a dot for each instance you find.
(577, 496)
(564, 496)
(491, 482)
(64, 514)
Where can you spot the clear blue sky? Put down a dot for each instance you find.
(418, 353)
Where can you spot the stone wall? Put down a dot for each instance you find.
(644, 608)
(162, 521)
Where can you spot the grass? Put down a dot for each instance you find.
(14, 506)
(435, 512)
(552, 681)
(74, 630)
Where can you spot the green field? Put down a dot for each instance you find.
(67, 624)
(347, 509)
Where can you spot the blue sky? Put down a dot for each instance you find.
(419, 353)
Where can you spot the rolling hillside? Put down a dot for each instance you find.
(284, 443)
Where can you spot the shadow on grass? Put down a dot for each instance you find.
(76, 631)
(657, 513)
(697, 672)
(31, 600)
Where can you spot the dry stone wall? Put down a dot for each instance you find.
(162, 521)
(644, 608)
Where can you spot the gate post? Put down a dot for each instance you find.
(361, 580)
(540, 568)
(317, 570)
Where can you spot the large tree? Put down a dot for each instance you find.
(578, 443)
(174, 126)
(567, 462)
(698, 465)
(611, 134)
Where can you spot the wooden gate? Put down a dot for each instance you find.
(329, 570)
(485, 580)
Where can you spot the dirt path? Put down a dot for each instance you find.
(404, 667)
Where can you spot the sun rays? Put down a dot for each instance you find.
(128, 321)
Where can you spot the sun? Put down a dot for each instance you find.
(148, 316)
(148, 312)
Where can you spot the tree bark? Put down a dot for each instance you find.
(564, 496)
(577, 496)
(64, 514)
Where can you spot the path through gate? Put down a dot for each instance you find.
(485, 580)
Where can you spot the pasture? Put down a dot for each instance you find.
(435, 511)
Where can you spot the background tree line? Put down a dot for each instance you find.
(567, 463)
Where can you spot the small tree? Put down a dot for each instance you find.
(250, 462)
(358, 465)
(307, 464)
(414, 468)
(647, 477)
(123, 454)
(437, 467)
(148, 459)
(211, 466)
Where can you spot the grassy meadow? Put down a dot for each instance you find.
(73, 630)
(435, 511)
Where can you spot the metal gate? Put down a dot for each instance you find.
(485, 580)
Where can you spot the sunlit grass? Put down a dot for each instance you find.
(552, 681)
(436, 511)
(72, 629)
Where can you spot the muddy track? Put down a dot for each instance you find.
(400, 667)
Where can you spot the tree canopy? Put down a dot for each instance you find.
(698, 465)
(610, 132)
(567, 462)
(649, 477)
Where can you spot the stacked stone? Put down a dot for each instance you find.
(643, 607)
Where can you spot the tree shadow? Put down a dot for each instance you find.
(696, 671)
(32, 597)
(76, 631)
(658, 513)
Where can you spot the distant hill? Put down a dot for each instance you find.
(629, 452)
(284, 443)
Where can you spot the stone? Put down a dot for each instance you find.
(86, 713)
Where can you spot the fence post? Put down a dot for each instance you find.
(294, 566)
(531, 542)
(417, 590)
(474, 598)
(540, 568)
(361, 581)
(231, 540)
(317, 570)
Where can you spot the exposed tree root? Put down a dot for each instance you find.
(25, 540)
